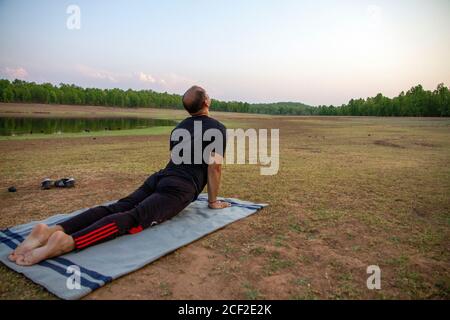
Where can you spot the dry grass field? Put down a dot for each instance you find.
(351, 192)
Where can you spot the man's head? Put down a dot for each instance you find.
(196, 100)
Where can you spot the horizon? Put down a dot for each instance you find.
(259, 52)
(229, 101)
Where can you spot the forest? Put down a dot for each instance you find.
(416, 102)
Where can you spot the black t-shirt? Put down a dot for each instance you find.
(193, 166)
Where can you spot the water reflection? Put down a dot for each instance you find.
(17, 126)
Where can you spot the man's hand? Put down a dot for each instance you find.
(218, 204)
(214, 176)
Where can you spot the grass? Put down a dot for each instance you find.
(251, 293)
(112, 133)
(350, 192)
(276, 263)
(165, 289)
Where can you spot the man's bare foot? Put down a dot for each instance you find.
(37, 238)
(58, 244)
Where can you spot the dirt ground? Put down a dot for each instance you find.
(351, 192)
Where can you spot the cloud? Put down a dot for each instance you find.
(375, 15)
(97, 73)
(168, 81)
(115, 77)
(175, 81)
(146, 77)
(15, 73)
(136, 79)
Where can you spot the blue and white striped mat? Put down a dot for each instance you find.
(100, 264)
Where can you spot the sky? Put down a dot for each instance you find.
(315, 52)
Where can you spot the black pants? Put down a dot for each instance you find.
(159, 198)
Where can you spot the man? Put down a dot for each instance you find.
(163, 195)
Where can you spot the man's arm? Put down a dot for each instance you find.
(214, 177)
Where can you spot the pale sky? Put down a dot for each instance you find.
(316, 52)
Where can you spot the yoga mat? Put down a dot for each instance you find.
(100, 264)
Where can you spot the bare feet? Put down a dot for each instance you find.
(37, 238)
(58, 244)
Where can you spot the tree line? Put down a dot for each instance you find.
(415, 102)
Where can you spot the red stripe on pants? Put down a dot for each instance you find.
(95, 231)
(97, 239)
(97, 234)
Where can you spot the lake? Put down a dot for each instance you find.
(21, 125)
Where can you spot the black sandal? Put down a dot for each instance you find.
(46, 184)
(65, 183)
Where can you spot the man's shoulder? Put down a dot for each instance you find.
(216, 123)
(207, 123)
(184, 124)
